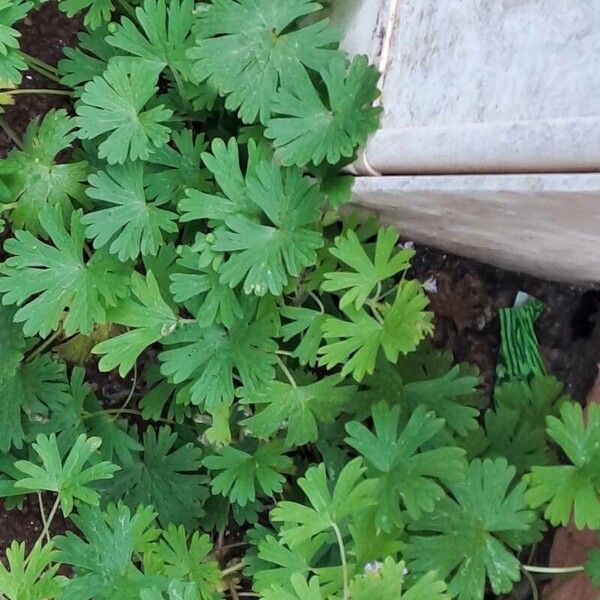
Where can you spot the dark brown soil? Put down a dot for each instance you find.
(44, 34)
(466, 306)
(25, 524)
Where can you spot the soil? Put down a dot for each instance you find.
(469, 295)
(466, 303)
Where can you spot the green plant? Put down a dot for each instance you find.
(288, 433)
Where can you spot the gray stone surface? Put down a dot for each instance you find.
(483, 86)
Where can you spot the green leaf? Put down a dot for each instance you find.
(241, 475)
(386, 580)
(264, 255)
(161, 396)
(269, 219)
(70, 478)
(367, 273)
(149, 317)
(30, 390)
(351, 495)
(32, 577)
(246, 48)
(369, 542)
(515, 428)
(403, 326)
(573, 489)
(199, 286)
(131, 222)
(302, 590)
(34, 178)
(308, 324)
(81, 413)
(86, 60)
(468, 537)
(296, 409)
(47, 280)
(171, 170)
(97, 11)
(592, 566)
(161, 36)
(103, 560)
(224, 164)
(113, 104)
(177, 590)
(210, 357)
(310, 130)
(189, 560)
(11, 61)
(275, 563)
(407, 472)
(164, 477)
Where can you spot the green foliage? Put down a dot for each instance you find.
(245, 49)
(11, 61)
(165, 34)
(149, 317)
(396, 329)
(308, 130)
(130, 223)
(189, 561)
(55, 284)
(104, 558)
(240, 473)
(472, 530)
(592, 566)
(387, 581)
(368, 273)
(69, 478)
(113, 104)
(198, 347)
(570, 489)
(162, 476)
(297, 409)
(34, 179)
(31, 577)
(406, 476)
(351, 494)
(97, 11)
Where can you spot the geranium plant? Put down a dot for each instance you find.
(289, 432)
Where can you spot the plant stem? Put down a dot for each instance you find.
(233, 569)
(43, 515)
(373, 306)
(48, 91)
(46, 530)
(532, 584)
(553, 570)
(46, 74)
(287, 373)
(10, 132)
(119, 411)
(124, 411)
(377, 292)
(47, 342)
(318, 301)
(233, 591)
(227, 547)
(32, 60)
(340, 541)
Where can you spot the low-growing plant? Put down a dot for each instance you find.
(289, 433)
